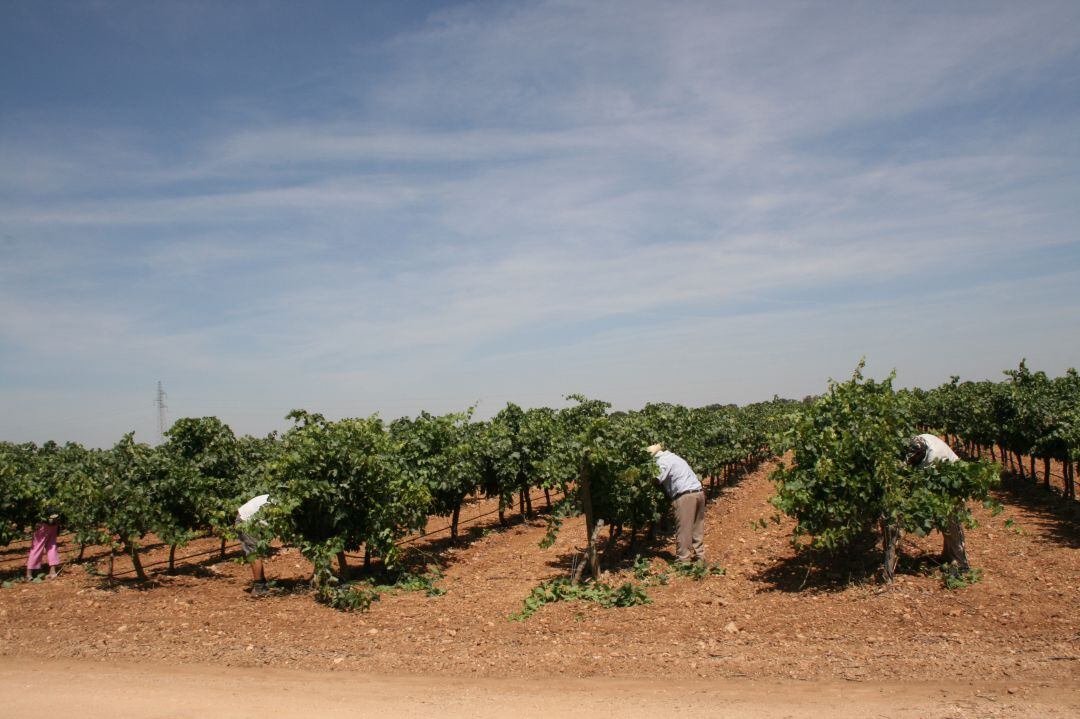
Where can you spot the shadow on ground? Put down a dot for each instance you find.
(1057, 517)
(819, 570)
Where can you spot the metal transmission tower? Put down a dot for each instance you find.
(159, 402)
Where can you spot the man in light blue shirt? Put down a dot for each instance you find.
(684, 488)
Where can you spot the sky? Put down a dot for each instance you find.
(393, 206)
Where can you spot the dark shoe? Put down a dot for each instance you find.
(259, 589)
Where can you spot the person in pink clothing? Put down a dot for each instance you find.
(44, 544)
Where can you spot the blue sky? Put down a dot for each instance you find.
(387, 207)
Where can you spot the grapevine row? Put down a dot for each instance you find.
(1028, 416)
(361, 484)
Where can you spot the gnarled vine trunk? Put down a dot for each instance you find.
(343, 566)
(890, 534)
(454, 522)
(133, 551)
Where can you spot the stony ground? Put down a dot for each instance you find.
(774, 615)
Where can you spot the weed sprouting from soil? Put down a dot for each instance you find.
(628, 594)
(359, 595)
(952, 577)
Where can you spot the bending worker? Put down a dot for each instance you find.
(924, 450)
(249, 541)
(688, 498)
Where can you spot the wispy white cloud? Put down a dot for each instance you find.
(570, 190)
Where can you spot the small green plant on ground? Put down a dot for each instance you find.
(642, 567)
(1014, 527)
(698, 570)
(643, 571)
(627, 594)
(348, 597)
(413, 582)
(359, 595)
(952, 577)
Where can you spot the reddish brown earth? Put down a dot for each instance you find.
(772, 617)
(91, 689)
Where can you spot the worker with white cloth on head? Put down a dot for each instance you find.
(249, 543)
(923, 451)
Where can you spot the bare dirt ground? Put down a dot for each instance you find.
(774, 617)
(95, 690)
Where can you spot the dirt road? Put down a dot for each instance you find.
(35, 687)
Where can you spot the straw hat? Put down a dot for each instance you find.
(655, 448)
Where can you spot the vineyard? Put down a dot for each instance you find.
(447, 530)
(362, 485)
(1030, 423)
(359, 487)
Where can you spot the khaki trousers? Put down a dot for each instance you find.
(690, 527)
(954, 549)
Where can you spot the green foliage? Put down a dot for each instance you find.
(941, 490)
(350, 597)
(359, 595)
(120, 484)
(180, 495)
(204, 484)
(22, 492)
(627, 594)
(258, 531)
(438, 451)
(710, 438)
(642, 568)
(622, 474)
(517, 451)
(953, 577)
(610, 451)
(697, 570)
(413, 582)
(1063, 443)
(337, 486)
(643, 572)
(562, 509)
(847, 474)
(340, 485)
(255, 456)
(81, 494)
(1028, 413)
